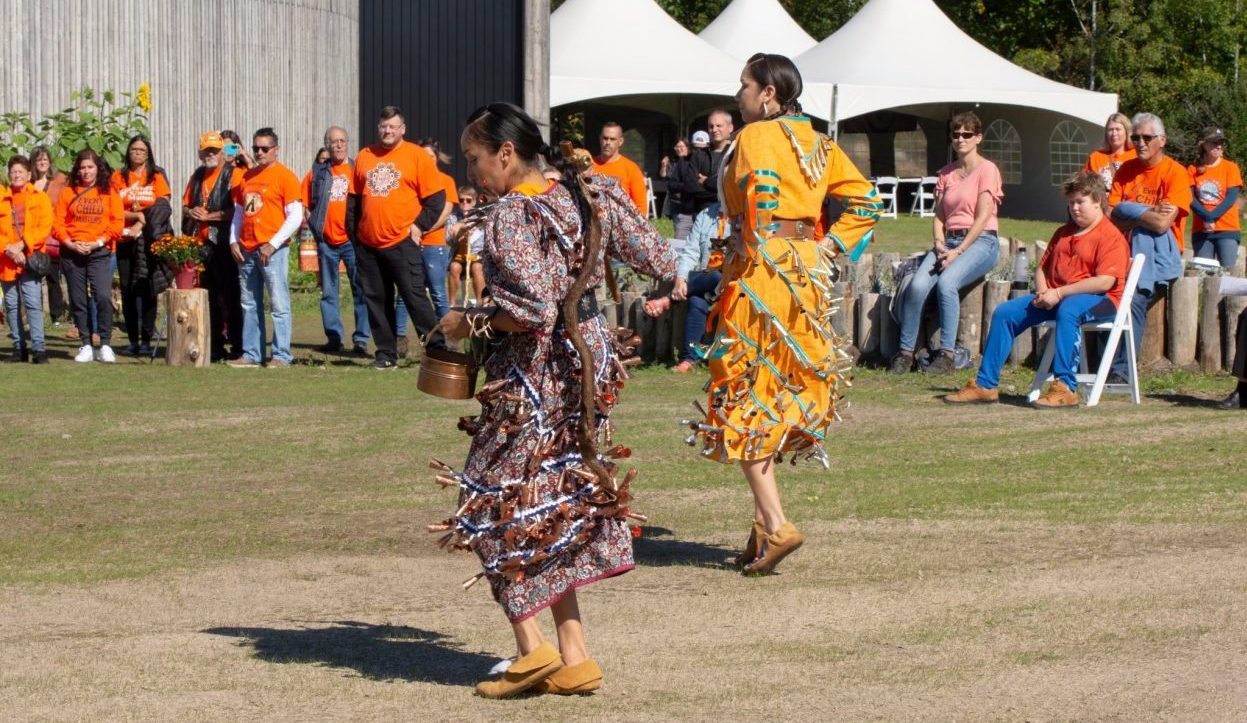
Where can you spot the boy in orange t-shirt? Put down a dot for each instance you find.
(1217, 184)
(401, 198)
(268, 208)
(1079, 279)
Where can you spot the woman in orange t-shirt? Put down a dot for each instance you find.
(1116, 151)
(27, 230)
(88, 221)
(1216, 187)
(51, 181)
(145, 194)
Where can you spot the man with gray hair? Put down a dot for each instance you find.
(329, 195)
(1150, 200)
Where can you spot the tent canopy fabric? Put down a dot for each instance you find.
(895, 53)
(746, 27)
(606, 48)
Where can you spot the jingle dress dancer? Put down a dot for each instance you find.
(777, 368)
(543, 518)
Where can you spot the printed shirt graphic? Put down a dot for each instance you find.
(391, 183)
(88, 217)
(1166, 181)
(264, 194)
(1211, 185)
(335, 215)
(139, 194)
(1106, 164)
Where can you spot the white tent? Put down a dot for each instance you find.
(757, 26)
(607, 48)
(896, 53)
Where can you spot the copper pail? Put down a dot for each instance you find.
(447, 374)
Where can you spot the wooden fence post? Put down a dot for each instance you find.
(868, 324)
(1183, 321)
(1210, 325)
(188, 328)
(996, 293)
(1153, 347)
(679, 319)
(970, 322)
(889, 332)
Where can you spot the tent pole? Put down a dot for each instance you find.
(835, 115)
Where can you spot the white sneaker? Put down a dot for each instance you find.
(106, 354)
(85, 354)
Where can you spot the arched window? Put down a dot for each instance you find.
(1003, 146)
(1067, 151)
(910, 153)
(857, 147)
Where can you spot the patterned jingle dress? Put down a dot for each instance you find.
(540, 523)
(777, 368)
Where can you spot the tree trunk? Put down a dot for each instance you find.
(188, 327)
(868, 309)
(970, 323)
(1210, 326)
(997, 293)
(1152, 350)
(1183, 322)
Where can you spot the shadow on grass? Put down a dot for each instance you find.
(381, 652)
(1186, 400)
(652, 550)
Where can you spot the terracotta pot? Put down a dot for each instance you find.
(186, 275)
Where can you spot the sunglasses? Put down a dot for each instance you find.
(262, 149)
(962, 135)
(1136, 137)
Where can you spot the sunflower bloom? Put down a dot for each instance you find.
(145, 97)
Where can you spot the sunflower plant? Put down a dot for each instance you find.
(103, 121)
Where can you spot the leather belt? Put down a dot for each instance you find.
(785, 228)
(586, 308)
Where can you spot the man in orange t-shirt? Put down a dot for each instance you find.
(611, 163)
(327, 192)
(207, 214)
(1150, 200)
(401, 197)
(268, 208)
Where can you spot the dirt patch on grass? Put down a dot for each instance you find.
(878, 620)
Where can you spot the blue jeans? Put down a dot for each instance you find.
(30, 290)
(1222, 248)
(1017, 315)
(973, 264)
(701, 286)
(254, 277)
(330, 280)
(435, 260)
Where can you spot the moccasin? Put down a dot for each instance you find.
(774, 548)
(578, 679)
(524, 673)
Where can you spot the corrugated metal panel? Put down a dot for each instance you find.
(212, 64)
(439, 60)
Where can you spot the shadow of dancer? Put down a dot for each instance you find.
(653, 551)
(382, 652)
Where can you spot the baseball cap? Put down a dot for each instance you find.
(701, 139)
(211, 139)
(1212, 133)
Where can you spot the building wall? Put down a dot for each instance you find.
(438, 60)
(211, 64)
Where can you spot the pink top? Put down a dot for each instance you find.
(956, 197)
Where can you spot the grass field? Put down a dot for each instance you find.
(248, 544)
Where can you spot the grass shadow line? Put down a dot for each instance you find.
(378, 652)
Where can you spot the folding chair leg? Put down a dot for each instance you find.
(1132, 368)
(1044, 370)
(1106, 363)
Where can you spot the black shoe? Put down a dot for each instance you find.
(41, 357)
(1230, 402)
(943, 363)
(130, 350)
(330, 347)
(384, 364)
(19, 356)
(902, 363)
(360, 350)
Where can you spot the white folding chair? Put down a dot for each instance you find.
(924, 198)
(1120, 331)
(885, 188)
(651, 210)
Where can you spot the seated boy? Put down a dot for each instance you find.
(1080, 279)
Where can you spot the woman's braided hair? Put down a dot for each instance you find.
(780, 72)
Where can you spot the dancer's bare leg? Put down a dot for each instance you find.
(528, 636)
(760, 474)
(571, 632)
